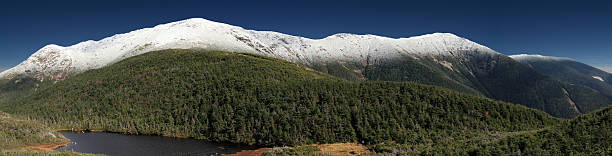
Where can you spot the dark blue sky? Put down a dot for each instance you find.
(577, 29)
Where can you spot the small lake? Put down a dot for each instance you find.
(114, 144)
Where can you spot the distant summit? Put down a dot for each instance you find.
(606, 69)
(528, 57)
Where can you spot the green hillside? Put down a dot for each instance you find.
(16, 132)
(231, 97)
(588, 134)
(21, 86)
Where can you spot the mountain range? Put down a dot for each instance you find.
(258, 100)
(441, 59)
(54, 60)
(435, 94)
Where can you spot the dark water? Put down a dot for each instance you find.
(113, 144)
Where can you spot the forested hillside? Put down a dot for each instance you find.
(570, 71)
(589, 134)
(231, 97)
(21, 86)
(490, 75)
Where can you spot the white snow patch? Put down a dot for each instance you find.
(598, 78)
(444, 63)
(447, 65)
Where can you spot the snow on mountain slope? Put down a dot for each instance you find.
(59, 62)
(529, 57)
(598, 78)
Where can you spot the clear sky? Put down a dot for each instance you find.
(580, 29)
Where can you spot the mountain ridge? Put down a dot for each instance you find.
(440, 59)
(524, 57)
(569, 70)
(606, 69)
(57, 61)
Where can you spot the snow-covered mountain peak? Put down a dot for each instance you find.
(350, 36)
(205, 34)
(446, 44)
(51, 46)
(47, 49)
(438, 35)
(195, 21)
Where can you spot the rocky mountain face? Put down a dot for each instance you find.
(495, 76)
(570, 71)
(441, 59)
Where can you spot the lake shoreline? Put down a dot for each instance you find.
(104, 131)
(162, 135)
(47, 147)
(129, 144)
